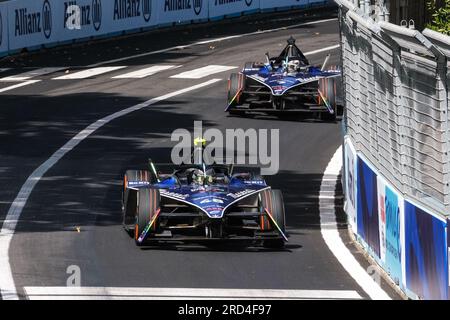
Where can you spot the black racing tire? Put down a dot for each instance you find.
(233, 90)
(148, 204)
(273, 201)
(328, 88)
(129, 196)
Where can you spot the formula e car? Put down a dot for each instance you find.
(284, 84)
(199, 202)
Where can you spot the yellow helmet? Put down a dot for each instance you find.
(199, 141)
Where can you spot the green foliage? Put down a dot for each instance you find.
(440, 20)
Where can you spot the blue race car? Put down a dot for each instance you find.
(201, 203)
(284, 84)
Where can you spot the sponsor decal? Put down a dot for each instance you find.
(125, 9)
(147, 9)
(223, 2)
(240, 194)
(138, 183)
(28, 23)
(214, 200)
(173, 194)
(258, 182)
(84, 17)
(177, 5)
(47, 19)
(97, 14)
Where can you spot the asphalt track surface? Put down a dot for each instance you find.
(82, 191)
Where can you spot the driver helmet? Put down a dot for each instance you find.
(199, 177)
(293, 66)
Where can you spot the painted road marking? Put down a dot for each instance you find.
(89, 73)
(19, 85)
(31, 74)
(105, 293)
(211, 41)
(4, 69)
(142, 73)
(7, 287)
(202, 72)
(330, 234)
(323, 49)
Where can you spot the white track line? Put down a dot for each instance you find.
(322, 50)
(334, 242)
(202, 72)
(18, 85)
(31, 74)
(210, 41)
(105, 293)
(7, 286)
(89, 73)
(143, 73)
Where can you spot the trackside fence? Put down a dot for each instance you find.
(396, 148)
(33, 24)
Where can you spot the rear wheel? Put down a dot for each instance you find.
(148, 204)
(272, 200)
(328, 88)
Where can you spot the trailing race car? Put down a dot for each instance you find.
(202, 202)
(287, 83)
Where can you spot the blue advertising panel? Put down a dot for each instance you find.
(367, 211)
(393, 211)
(79, 19)
(31, 23)
(3, 28)
(425, 254)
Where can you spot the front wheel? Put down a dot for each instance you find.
(272, 200)
(148, 204)
(328, 88)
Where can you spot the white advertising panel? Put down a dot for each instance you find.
(220, 8)
(3, 28)
(179, 11)
(270, 4)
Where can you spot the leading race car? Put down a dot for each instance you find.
(284, 84)
(202, 202)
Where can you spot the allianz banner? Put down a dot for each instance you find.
(270, 4)
(3, 28)
(220, 8)
(179, 11)
(31, 23)
(79, 19)
(122, 15)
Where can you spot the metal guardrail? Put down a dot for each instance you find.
(396, 84)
